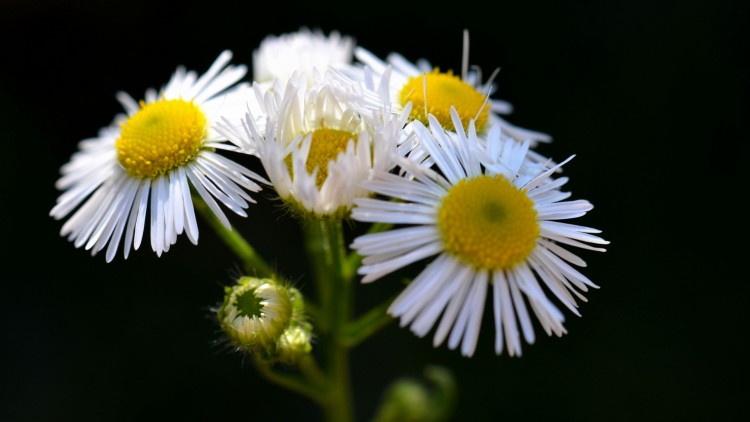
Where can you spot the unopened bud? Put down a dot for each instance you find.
(294, 342)
(255, 313)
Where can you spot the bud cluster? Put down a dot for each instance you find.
(266, 317)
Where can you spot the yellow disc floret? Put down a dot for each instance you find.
(442, 91)
(161, 136)
(488, 223)
(326, 145)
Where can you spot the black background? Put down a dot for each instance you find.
(651, 97)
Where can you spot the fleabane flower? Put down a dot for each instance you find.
(304, 51)
(492, 217)
(315, 147)
(142, 169)
(433, 91)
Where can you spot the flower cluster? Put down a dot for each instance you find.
(425, 155)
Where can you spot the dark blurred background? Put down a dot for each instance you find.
(652, 97)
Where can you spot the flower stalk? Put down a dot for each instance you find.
(324, 241)
(252, 262)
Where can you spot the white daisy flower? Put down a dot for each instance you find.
(315, 147)
(398, 81)
(153, 157)
(305, 51)
(491, 216)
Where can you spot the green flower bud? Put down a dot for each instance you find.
(412, 400)
(294, 343)
(255, 313)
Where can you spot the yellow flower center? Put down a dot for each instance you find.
(161, 136)
(488, 223)
(326, 145)
(443, 90)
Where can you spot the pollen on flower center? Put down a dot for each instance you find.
(444, 90)
(161, 136)
(326, 145)
(488, 223)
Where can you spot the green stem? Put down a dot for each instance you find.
(289, 382)
(253, 263)
(369, 323)
(312, 372)
(324, 240)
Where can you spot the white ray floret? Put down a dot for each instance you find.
(450, 292)
(385, 80)
(136, 172)
(317, 178)
(304, 51)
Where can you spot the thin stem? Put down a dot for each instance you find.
(312, 372)
(368, 324)
(324, 240)
(253, 263)
(289, 382)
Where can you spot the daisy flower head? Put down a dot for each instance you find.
(315, 146)
(432, 91)
(149, 161)
(492, 217)
(304, 51)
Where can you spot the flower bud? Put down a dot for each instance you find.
(409, 399)
(255, 313)
(295, 341)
